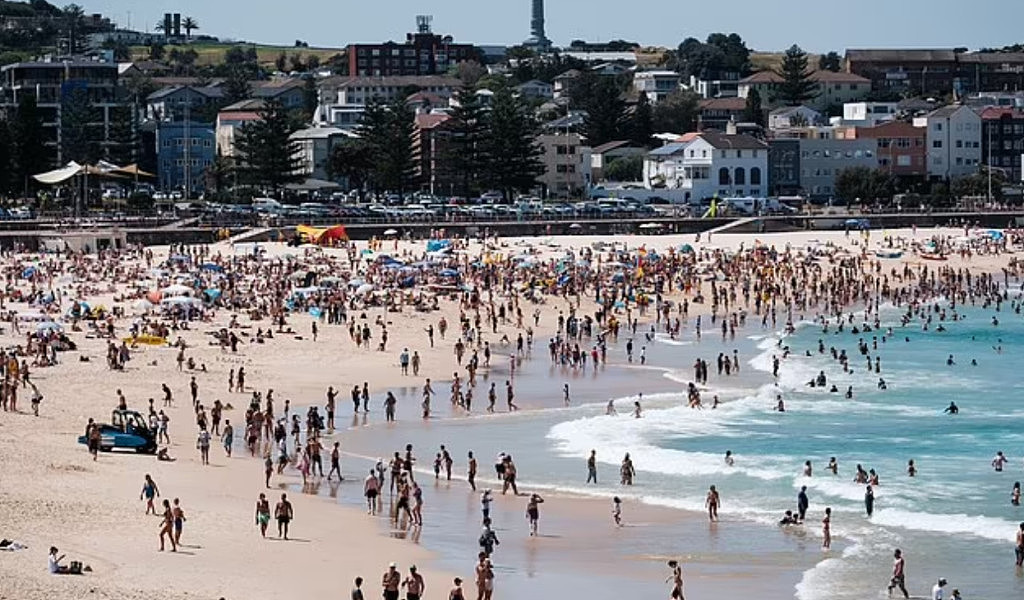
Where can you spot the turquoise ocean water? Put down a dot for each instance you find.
(954, 519)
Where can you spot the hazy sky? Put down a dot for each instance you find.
(817, 25)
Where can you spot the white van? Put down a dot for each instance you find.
(265, 205)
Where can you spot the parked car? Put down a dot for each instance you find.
(127, 430)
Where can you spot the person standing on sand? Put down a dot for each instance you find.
(471, 471)
(899, 574)
(484, 578)
(414, 585)
(371, 489)
(826, 530)
(677, 580)
(533, 513)
(456, 592)
(391, 581)
(712, 502)
(167, 527)
(592, 467)
(617, 510)
(149, 491)
(389, 407)
(262, 514)
(510, 396)
(626, 471)
(228, 437)
(284, 513)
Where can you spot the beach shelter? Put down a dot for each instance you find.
(321, 235)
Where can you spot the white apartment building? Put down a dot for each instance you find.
(953, 139)
(656, 85)
(708, 164)
(343, 99)
(868, 114)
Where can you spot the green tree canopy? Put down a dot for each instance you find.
(830, 62)
(677, 112)
(267, 157)
(863, 185)
(387, 130)
(796, 86)
(515, 162)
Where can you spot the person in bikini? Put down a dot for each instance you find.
(677, 580)
(263, 514)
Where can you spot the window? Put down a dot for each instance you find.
(938, 127)
(691, 153)
(723, 176)
(936, 143)
(739, 154)
(740, 176)
(167, 143)
(755, 178)
(723, 153)
(959, 161)
(959, 144)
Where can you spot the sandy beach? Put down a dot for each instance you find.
(53, 493)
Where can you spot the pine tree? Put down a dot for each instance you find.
(351, 160)
(124, 148)
(514, 156)
(30, 154)
(267, 156)
(605, 111)
(753, 112)
(387, 130)
(796, 86)
(641, 124)
(6, 157)
(78, 142)
(464, 160)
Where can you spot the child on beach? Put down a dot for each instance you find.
(617, 510)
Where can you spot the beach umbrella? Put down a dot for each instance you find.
(213, 293)
(366, 288)
(448, 273)
(651, 226)
(686, 248)
(179, 258)
(390, 232)
(995, 234)
(29, 273)
(178, 301)
(176, 290)
(142, 305)
(618, 278)
(575, 226)
(48, 326)
(356, 282)
(212, 267)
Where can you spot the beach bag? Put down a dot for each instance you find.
(75, 568)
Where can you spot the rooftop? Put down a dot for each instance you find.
(818, 76)
(902, 55)
(733, 104)
(394, 81)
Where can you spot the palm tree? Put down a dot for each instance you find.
(189, 24)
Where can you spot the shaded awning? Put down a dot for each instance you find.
(59, 175)
(134, 171)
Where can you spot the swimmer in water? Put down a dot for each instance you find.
(911, 469)
(952, 409)
(833, 466)
(781, 406)
(949, 361)
(729, 460)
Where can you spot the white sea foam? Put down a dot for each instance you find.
(989, 528)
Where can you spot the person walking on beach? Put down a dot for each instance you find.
(389, 407)
(712, 502)
(335, 463)
(167, 527)
(533, 513)
(149, 491)
(391, 581)
(626, 471)
(937, 591)
(413, 584)
(179, 521)
(284, 513)
(456, 592)
(262, 514)
(617, 511)
(357, 592)
(203, 443)
(869, 500)
(677, 580)
(899, 574)
(471, 471)
(592, 467)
